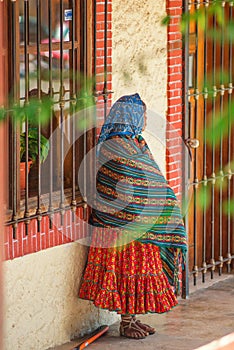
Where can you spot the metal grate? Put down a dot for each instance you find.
(52, 60)
(209, 104)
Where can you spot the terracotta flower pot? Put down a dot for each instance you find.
(22, 173)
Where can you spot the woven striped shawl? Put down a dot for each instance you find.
(135, 200)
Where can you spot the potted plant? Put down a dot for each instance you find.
(32, 151)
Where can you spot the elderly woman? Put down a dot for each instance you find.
(138, 232)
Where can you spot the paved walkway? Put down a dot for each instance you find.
(208, 314)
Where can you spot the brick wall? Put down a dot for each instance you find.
(35, 241)
(59, 234)
(101, 87)
(174, 94)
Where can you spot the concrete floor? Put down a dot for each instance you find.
(207, 314)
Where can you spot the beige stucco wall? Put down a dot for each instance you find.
(41, 304)
(139, 62)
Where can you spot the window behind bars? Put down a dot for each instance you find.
(51, 63)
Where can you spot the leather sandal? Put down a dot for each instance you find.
(129, 329)
(144, 327)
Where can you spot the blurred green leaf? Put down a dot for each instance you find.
(166, 20)
(204, 196)
(33, 146)
(217, 10)
(229, 33)
(198, 17)
(221, 124)
(228, 207)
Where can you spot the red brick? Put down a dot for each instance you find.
(175, 69)
(15, 249)
(174, 173)
(48, 238)
(34, 244)
(56, 236)
(173, 28)
(100, 17)
(172, 60)
(171, 85)
(175, 53)
(101, 69)
(173, 142)
(174, 166)
(176, 189)
(59, 236)
(99, 86)
(81, 230)
(176, 77)
(172, 118)
(100, 61)
(6, 234)
(174, 109)
(75, 232)
(174, 3)
(32, 229)
(51, 238)
(174, 36)
(174, 148)
(174, 93)
(20, 239)
(101, 34)
(101, 26)
(173, 134)
(175, 101)
(38, 242)
(177, 125)
(100, 77)
(100, 7)
(175, 182)
(100, 43)
(68, 235)
(175, 20)
(6, 252)
(175, 11)
(174, 158)
(43, 241)
(174, 45)
(100, 52)
(26, 243)
(10, 243)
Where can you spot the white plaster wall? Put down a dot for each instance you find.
(41, 304)
(140, 62)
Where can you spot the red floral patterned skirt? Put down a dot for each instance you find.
(127, 279)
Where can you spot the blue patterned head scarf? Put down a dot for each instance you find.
(126, 117)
